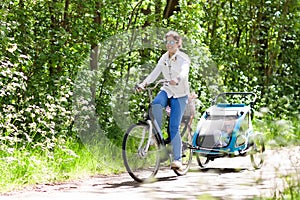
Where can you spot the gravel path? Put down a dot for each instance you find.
(224, 178)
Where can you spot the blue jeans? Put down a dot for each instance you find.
(177, 106)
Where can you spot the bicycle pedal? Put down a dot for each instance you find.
(167, 141)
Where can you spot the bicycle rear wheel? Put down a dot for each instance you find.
(257, 151)
(187, 153)
(141, 155)
(201, 160)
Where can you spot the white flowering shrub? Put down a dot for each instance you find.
(28, 122)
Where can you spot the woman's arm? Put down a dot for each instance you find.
(155, 73)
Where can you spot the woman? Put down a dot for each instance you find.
(174, 66)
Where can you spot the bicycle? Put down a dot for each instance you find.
(144, 147)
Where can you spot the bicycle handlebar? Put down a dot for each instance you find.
(161, 81)
(155, 86)
(150, 89)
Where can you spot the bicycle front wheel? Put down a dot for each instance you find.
(141, 152)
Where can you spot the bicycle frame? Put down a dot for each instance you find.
(142, 151)
(152, 122)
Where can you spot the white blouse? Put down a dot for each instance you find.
(175, 68)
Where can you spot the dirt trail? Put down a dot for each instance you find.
(225, 178)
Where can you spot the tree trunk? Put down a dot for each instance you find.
(65, 21)
(94, 50)
(172, 5)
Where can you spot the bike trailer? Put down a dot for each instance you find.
(224, 129)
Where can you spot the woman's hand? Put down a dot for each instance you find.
(173, 82)
(140, 87)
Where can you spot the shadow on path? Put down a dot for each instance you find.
(219, 170)
(135, 184)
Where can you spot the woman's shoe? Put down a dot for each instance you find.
(176, 164)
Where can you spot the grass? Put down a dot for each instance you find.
(30, 166)
(279, 133)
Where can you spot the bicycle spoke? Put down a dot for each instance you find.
(141, 156)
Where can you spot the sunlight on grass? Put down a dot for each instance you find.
(28, 166)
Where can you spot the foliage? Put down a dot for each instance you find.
(27, 167)
(27, 122)
(234, 46)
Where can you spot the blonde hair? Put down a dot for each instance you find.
(176, 36)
